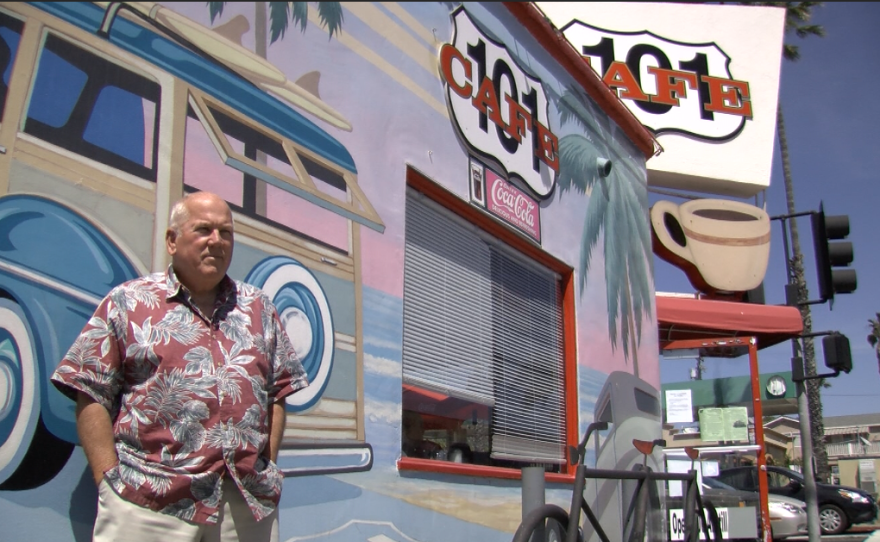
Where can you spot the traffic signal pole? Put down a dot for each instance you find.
(828, 256)
(792, 296)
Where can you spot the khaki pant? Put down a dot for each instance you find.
(121, 521)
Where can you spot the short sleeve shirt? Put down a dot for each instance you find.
(189, 394)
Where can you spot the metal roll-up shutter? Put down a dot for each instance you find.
(447, 310)
(529, 415)
(484, 324)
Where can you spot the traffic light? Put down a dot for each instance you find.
(833, 255)
(837, 353)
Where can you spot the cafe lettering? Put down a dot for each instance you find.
(670, 86)
(723, 95)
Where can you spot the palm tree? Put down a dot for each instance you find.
(616, 210)
(797, 18)
(874, 337)
(282, 13)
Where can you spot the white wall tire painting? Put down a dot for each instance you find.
(305, 314)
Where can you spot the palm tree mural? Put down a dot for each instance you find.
(282, 13)
(874, 337)
(616, 212)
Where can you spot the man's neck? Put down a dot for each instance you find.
(202, 298)
(204, 301)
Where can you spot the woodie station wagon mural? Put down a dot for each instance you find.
(450, 219)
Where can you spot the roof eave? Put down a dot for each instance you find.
(531, 17)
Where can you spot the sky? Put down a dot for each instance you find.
(831, 108)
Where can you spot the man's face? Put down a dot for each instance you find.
(202, 251)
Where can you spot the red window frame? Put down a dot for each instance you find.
(481, 219)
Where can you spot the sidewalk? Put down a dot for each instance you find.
(867, 528)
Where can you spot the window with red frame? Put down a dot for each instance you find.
(483, 356)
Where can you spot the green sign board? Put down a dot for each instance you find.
(729, 424)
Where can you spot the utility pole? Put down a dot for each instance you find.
(814, 529)
(792, 294)
(832, 261)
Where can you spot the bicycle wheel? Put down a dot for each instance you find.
(549, 516)
(639, 512)
(714, 521)
(695, 524)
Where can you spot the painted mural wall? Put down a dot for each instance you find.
(306, 122)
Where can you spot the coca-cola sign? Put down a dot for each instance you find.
(512, 205)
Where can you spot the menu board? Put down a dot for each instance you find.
(724, 424)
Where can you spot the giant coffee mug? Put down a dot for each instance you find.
(722, 245)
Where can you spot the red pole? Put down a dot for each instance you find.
(758, 412)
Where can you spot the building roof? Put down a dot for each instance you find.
(854, 420)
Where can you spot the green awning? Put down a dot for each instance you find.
(737, 391)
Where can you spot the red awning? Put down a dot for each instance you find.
(431, 402)
(683, 318)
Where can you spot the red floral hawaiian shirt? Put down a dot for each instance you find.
(188, 393)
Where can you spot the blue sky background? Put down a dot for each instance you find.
(831, 107)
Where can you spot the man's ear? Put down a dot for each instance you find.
(170, 241)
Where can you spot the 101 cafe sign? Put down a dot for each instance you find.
(670, 86)
(499, 110)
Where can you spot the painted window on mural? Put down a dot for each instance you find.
(483, 379)
(10, 36)
(95, 108)
(258, 173)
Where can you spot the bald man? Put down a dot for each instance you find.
(179, 379)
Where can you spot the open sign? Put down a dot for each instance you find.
(677, 531)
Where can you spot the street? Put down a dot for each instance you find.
(850, 536)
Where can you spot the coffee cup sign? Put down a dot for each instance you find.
(722, 245)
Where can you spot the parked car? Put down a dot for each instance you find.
(839, 506)
(788, 516)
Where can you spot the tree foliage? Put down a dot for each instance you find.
(615, 213)
(281, 14)
(874, 336)
(797, 18)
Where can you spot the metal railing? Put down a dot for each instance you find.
(852, 449)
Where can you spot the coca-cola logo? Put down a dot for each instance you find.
(522, 208)
(512, 205)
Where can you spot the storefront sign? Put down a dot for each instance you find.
(724, 424)
(776, 386)
(499, 109)
(677, 525)
(512, 205)
(670, 86)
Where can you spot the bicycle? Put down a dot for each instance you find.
(561, 525)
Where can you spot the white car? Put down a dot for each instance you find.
(788, 516)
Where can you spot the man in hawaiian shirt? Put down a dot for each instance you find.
(179, 379)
